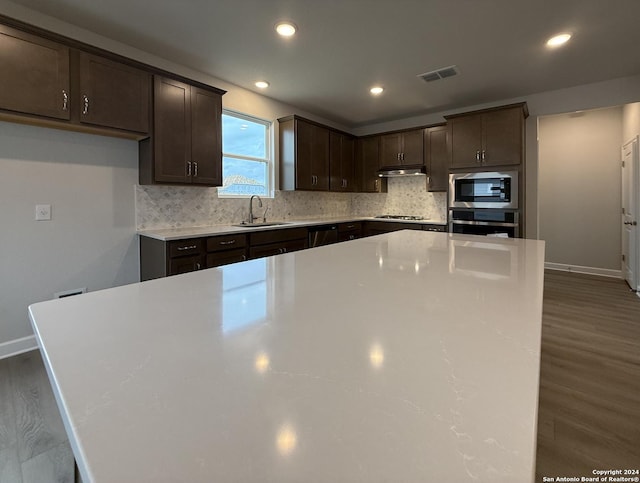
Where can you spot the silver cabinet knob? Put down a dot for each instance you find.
(85, 104)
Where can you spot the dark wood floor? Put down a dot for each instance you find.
(589, 411)
(589, 415)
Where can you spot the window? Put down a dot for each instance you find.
(246, 156)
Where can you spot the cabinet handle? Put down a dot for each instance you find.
(483, 155)
(188, 168)
(398, 156)
(195, 168)
(190, 247)
(477, 156)
(85, 104)
(244, 257)
(375, 184)
(197, 265)
(230, 242)
(284, 250)
(351, 237)
(351, 226)
(65, 100)
(402, 156)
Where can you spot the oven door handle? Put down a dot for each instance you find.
(484, 223)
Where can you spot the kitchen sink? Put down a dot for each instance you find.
(258, 225)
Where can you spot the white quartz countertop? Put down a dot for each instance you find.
(411, 356)
(169, 234)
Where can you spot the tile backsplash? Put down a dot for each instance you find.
(159, 207)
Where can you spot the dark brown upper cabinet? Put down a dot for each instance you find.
(492, 137)
(368, 164)
(186, 142)
(304, 155)
(34, 75)
(113, 94)
(341, 160)
(402, 148)
(436, 157)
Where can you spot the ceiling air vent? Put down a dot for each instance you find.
(438, 74)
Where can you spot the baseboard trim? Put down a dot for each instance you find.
(603, 272)
(18, 346)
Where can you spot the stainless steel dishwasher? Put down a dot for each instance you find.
(322, 235)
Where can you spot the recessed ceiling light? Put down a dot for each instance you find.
(286, 29)
(558, 40)
(262, 84)
(376, 90)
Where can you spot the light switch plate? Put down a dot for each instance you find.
(43, 212)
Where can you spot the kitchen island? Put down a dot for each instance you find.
(411, 356)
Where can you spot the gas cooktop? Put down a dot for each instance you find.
(401, 217)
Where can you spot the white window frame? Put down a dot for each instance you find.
(268, 150)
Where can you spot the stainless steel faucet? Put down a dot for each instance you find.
(251, 217)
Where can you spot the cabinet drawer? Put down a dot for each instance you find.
(349, 231)
(185, 264)
(217, 259)
(273, 236)
(277, 248)
(349, 235)
(183, 248)
(351, 226)
(226, 242)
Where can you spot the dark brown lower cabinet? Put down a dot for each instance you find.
(162, 259)
(349, 231)
(278, 248)
(277, 242)
(185, 264)
(378, 227)
(225, 249)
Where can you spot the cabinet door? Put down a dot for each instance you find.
(503, 137)
(34, 74)
(390, 149)
(226, 257)
(320, 158)
(113, 94)
(206, 137)
(436, 157)
(341, 161)
(172, 130)
(412, 147)
(185, 264)
(303, 156)
(466, 141)
(367, 156)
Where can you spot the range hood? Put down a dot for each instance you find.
(403, 170)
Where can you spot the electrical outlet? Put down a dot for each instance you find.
(43, 212)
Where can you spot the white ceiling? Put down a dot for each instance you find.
(343, 47)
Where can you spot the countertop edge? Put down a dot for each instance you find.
(171, 234)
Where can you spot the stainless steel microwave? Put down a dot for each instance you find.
(484, 190)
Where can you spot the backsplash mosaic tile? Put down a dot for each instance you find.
(405, 196)
(159, 207)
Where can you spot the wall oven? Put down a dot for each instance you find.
(485, 222)
(484, 190)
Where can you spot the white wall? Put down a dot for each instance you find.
(90, 241)
(579, 187)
